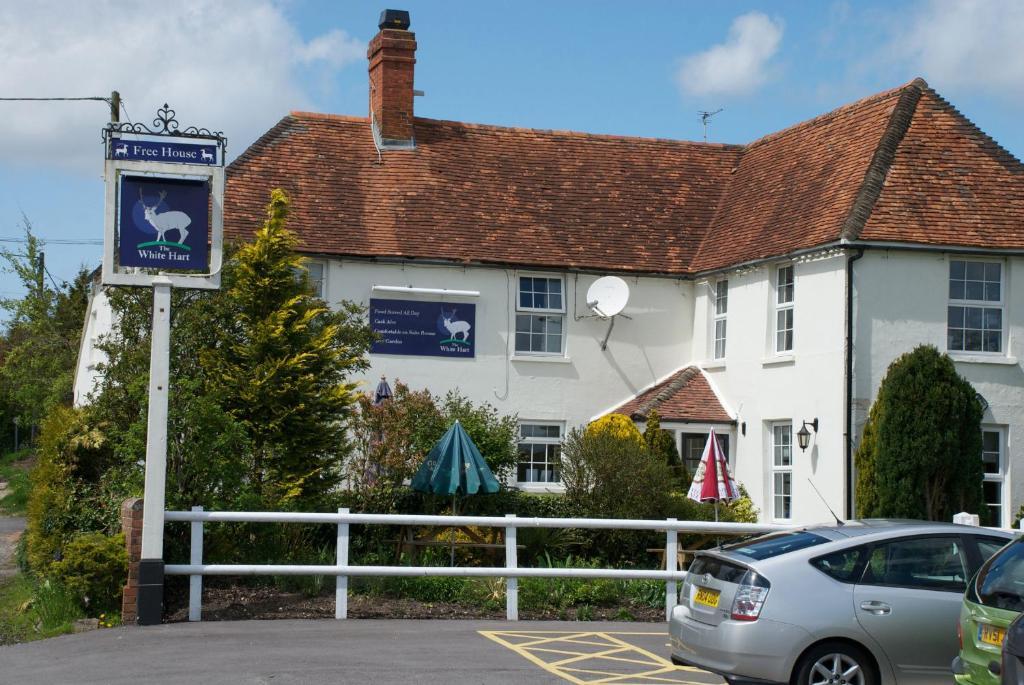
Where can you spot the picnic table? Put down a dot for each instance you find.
(493, 544)
(683, 556)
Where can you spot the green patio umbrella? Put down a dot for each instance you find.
(454, 467)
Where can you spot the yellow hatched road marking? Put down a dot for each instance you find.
(532, 645)
(588, 656)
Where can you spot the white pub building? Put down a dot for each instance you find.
(770, 285)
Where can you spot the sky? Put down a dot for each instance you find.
(601, 66)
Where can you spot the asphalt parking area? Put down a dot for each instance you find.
(378, 651)
(600, 656)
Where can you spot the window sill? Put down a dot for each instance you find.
(713, 365)
(982, 359)
(540, 488)
(779, 360)
(540, 358)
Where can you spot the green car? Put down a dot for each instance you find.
(993, 600)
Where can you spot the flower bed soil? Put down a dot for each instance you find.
(240, 603)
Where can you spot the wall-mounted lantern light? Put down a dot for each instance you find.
(803, 436)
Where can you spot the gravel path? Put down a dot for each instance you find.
(10, 530)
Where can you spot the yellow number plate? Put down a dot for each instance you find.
(707, 597)
(991, 635)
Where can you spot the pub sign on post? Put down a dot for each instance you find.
(163, 223)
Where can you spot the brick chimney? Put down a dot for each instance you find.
(392, 56)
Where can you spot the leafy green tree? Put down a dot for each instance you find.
(927, 441)
(39, 345)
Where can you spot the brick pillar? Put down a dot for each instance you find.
(131, 525)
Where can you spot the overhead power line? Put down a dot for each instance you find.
(95, 97)
(54, 241)
(114, 100)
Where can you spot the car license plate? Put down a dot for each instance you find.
(707, 597)
(991, 635)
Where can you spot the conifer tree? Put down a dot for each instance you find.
(926, 432)
(282, 371)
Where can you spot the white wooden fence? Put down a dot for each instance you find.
(511, 571)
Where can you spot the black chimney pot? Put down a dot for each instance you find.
(394, 19)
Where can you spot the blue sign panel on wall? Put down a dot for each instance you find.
(157, 151)
(164, 223)
(434, 329)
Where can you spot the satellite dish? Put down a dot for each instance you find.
(607, 296)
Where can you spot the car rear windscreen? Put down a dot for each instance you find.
(1000, 583)
(776, 544)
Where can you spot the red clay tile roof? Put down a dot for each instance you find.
(949, 184)
(683, 396)
(795, 189)
(900, 166)
(484, 194)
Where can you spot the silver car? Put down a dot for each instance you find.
(870, 602)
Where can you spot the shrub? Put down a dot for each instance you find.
(927, 452)
(56, 606)
(608, 473)
(616, 425)
(69, 492)
(662, 446)
(94, 569)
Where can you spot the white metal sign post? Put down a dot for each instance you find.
(164, 228)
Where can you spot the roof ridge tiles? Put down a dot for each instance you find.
(524, 129)
(672, 386)
(578, 134)
(882, 159)
(919, 83)
(329, 116)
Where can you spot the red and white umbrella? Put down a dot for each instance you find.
(712, 482)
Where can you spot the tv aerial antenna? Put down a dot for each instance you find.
(705, 117)
(607, 297)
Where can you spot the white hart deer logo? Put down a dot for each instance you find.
(455, 328)
(165, 221)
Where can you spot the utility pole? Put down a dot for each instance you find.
(41, 272)
(115, 106)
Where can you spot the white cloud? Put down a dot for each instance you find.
(336, 49)
(234, 65)
(737, 66)
(972, 44)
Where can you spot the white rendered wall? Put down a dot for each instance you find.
(98, 322)
(901, 301)
(763, 387)
(650, 345)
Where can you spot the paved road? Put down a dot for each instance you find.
(11, 524)
(355, 651)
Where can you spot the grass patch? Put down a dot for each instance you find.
(31, 611)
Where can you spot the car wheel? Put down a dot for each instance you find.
(835, 663)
